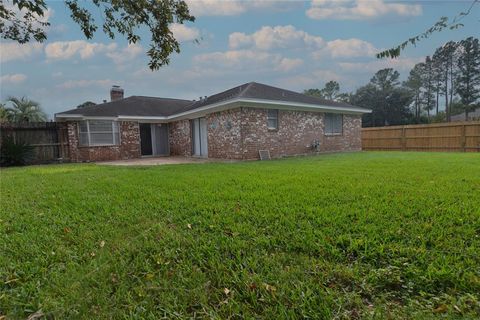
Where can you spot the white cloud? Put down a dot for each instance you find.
(248, 59)
(215, 7)
(72, 84)
(315, 78)
(183, 33)
(235, 57)
(236, 7)
(195, 74)
(63, 50)
(346, 48)
(401, 64)
(126, 54)
(287, 64)
(288, 37)
(16, 78)
(360, 9)
(275, 37)
(15, 51)
(239, 39)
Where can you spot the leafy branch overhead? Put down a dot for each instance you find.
(441, 24)
(23, 20)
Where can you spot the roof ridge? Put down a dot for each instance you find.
(164, 98)
(248, 86)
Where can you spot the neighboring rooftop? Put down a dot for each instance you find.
(157, 107)
(472, 116)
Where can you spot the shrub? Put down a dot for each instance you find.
(14, 153)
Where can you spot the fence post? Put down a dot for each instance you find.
(404, 139)
(463, 140)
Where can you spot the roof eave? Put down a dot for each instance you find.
(309, 106)
(264, 103)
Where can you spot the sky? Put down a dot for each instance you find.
(295, 45)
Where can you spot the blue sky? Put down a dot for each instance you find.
(292, 44)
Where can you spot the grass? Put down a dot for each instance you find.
(363, 235)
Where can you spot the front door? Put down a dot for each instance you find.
(146, 139)
(200, 138)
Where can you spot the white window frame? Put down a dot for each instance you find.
(269, 117)
(333, 133)
(116, 136)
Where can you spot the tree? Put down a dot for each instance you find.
(387, 99)
(86, 104)
(5, 114)
(428, 86)
(386, 79)
(457, 107)
(25, 110)
(468, 77)
(445, 56)
(23, 20)
(437, 80)
(414, 84)
(313, 93)
(331, 91)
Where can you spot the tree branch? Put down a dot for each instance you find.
(440, 25)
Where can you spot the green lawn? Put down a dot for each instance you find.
(361, 235)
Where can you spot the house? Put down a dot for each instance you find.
(234, 124)
(472, 116)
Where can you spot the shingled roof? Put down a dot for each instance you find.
(133, 106)
(139, 106)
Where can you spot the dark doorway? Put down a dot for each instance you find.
(200, 137)
(146, 139)
(160, 141)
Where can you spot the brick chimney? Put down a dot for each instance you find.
(116, 93)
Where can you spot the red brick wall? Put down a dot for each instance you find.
(224, 134)
(180, 138)
(129, 147)
(349, 140)
(233, 134)
(241, 133)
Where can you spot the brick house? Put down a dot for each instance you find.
(234, 124)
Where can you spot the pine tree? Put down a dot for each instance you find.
(428, 85)
(437, 80)
(446, 56)
(468, 78)
(414, 85)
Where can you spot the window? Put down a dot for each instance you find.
(272, 119)
(98, 133)
(333, 123)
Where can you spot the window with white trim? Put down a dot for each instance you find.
(98, 133)
(333, 123)
(272, 119)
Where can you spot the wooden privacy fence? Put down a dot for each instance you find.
(453, 136)
(48, 139)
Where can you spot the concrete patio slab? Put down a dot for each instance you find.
(157, 161)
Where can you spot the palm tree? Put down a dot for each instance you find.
(25, 110)
(5, 114)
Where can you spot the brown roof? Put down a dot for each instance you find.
(151, 106)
